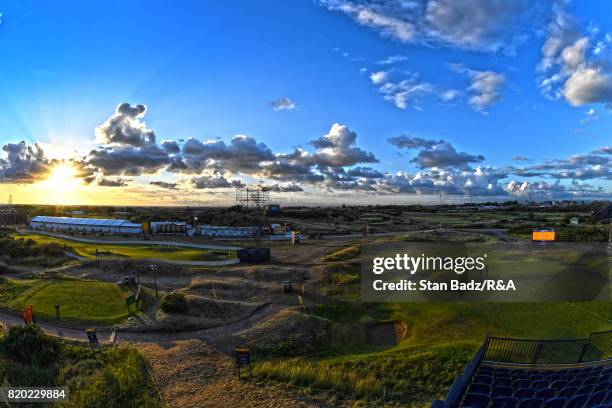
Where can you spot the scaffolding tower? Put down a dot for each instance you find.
(254, 202)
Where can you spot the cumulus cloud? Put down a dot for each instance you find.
(214, 181)
(171, 147)
(482, 25)
(338, 148)
(484, 88)
(125, 127)
(24, 163)
(283, 104)
(435, 153)
(588, 85)
(573, 63)
(284, 188)
(128, 160)
(112, 182)
(479, 181)
(407, 142)
(242, 155)
(164, 184)
(445, 155)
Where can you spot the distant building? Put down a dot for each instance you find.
(69, 224)
(574, 221)
(168, 227)
(13, 217)
(227, 232)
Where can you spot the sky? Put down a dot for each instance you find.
(324, 102)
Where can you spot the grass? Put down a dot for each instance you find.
(442, 339)
(115, 377)
(135, 251)
(412, 377)
(89, 302)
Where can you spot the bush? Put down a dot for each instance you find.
(122, 381)
(174, 303)
(29, 345)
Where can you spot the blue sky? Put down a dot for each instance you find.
(208, 70)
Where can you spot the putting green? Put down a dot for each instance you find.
(80, 301)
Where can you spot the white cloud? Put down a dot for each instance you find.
(283, 104)
(483, 25)
(484, 86)
(393, 59)
(379, 77)
(588, 85)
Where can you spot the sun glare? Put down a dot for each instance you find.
(62, 178)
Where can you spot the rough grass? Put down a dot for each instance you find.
(135, 251)
(408, 378)
(116, 377)
(80, 301)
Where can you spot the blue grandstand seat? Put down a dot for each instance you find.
(603, 386)
(577, 401)
(478, 388)
(576, 382)
(503, 382)
(568, 392)
(530, 403)
(502, 391)
(483, 379)
(554, 403)
(521, 384)
(476, 401)
(557, 385)
(586, 389)
(539, 384)
(504, 402)
(596, 399)
(524, 393)
(545, 393)
(591, 380)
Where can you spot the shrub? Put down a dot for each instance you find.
(174, 302)
(29, 345)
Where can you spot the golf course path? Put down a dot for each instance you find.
(188, 263)
(55, 330)
(210, 334)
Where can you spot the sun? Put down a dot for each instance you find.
(62, 177)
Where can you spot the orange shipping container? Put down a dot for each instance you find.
(543, 236)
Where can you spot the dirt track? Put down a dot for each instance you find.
(194, 374)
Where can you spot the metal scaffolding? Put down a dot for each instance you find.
(254, 202)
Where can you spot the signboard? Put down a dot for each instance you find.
(28, 314)
(130, 300)
(93, 339)
(287, 287)
(543, 236)
(243, 357)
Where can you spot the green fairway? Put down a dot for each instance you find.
(134, 251)
(80, 301)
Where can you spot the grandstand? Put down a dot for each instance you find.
(69, 224)
(520, 373)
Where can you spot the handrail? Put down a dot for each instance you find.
(598, 346)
